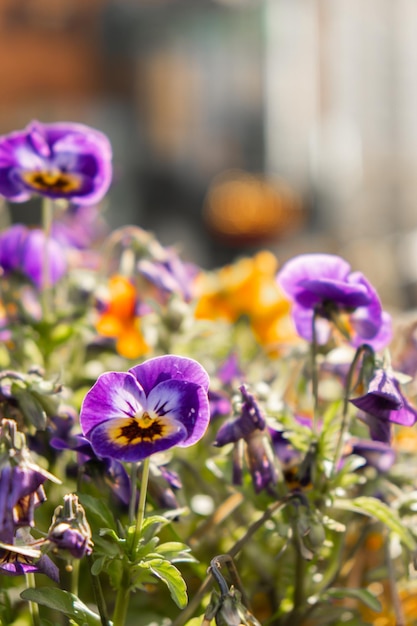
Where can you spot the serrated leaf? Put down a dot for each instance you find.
(63, 602)
(380, 511)
(363, 595)
(173, 579)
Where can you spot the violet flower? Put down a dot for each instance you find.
(324, 283)
(60, 160)
(384, 400)
(154, 406)
(22, 250)
(250, 429)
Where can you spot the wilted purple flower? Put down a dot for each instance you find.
(23, 249)
(324, 283)
(169, 273)
(21, 491)
(384, 400)
(21, 481)
(379, 429)
(250, 429)
(24, 557)
(60, 160)
(251, 418)
(154, 406)
(70, 533)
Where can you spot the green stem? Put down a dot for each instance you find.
(134, 491)
(345, 414)
(46, 300)
(33, 607)
(314, 373)
(299, 580)
(75, 576)
(122, 603)
(98, 595)
(142, 500)
(395, 598)
(122, 599)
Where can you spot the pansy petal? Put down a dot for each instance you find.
(361, 334)
(303, 320)
(114, 395)
(310, 267)
(11, 242)
(32, 262)
(182, 401)
(168, 367)
(132, 440)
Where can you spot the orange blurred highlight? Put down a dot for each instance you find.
(248, 288)
(244, 208)
(119, 320)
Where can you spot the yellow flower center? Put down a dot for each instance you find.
(56, 181)
(141, 428)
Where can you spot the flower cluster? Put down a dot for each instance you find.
(159, 421)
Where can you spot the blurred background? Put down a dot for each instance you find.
(238, 124)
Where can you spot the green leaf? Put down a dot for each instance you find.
(30, 407)
(380, 511)
(363, 595)
(98, 513)
(63, 602)
(98, 565)
(175, 551)
(173, 579)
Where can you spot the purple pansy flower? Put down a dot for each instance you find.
(154, 406)
(385, 400)
(59, 160)
(22, 249)
(325, 284)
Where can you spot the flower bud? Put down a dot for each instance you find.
(70, 532)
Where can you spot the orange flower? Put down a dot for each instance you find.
(120, 321)
(248, 288)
